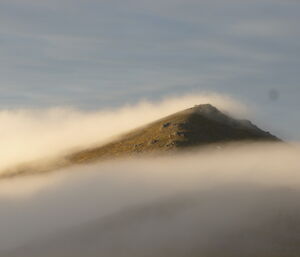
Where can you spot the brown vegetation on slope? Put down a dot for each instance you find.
(197, 126)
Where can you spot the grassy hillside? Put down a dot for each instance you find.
(194, 127)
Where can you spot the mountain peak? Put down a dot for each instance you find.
(205, 108)
(198, 126)
(209, 111)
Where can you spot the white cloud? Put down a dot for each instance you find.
(32, 134)
(243, 201)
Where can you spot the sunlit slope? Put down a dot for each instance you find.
(197, 126)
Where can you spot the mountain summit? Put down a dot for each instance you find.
(200, 125)
(197, 126)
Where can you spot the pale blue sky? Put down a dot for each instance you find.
(94, 53)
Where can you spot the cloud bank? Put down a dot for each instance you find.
(28, 135)
(240, 202)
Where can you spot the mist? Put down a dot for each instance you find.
(242, 201)
(32, 134)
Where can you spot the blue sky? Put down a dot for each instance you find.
(94, 53)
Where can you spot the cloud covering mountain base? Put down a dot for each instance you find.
(238, 201)
(32, 134)
(243, 201)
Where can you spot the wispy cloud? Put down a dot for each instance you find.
(134, 44)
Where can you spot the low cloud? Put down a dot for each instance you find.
(28, 135)
(238, 201)
(243, 201)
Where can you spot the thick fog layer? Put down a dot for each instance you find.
(238, 201)
(242, 201)
(32, 134)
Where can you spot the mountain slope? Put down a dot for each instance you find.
(197, 126)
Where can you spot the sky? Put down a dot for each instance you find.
(91, 54)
